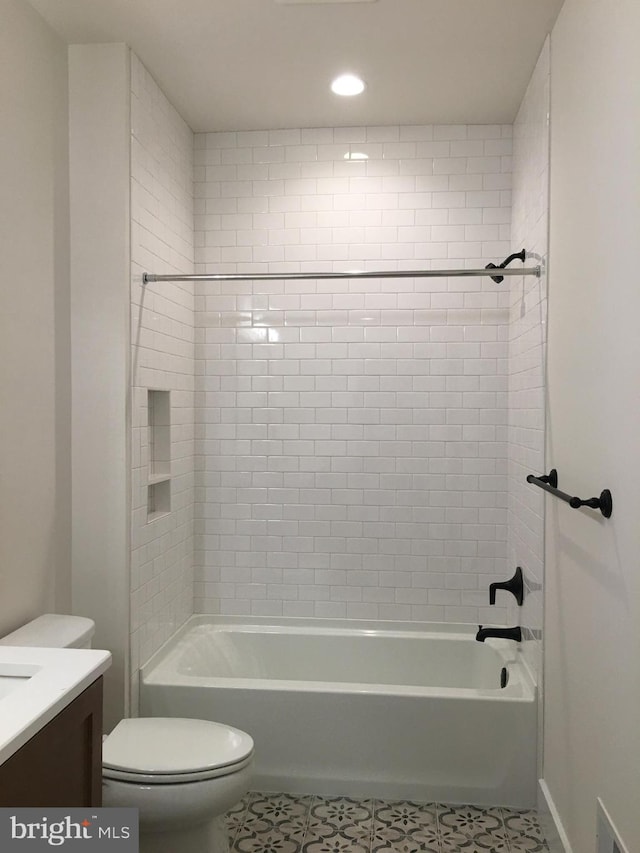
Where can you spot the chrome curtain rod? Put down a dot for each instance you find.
(148, 278)
(489, 270)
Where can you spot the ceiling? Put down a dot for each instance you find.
(255, 64)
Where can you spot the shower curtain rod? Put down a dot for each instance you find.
(489, 270)
(148, 278)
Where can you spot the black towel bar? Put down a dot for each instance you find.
(549, 482)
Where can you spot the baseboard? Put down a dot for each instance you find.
(550, 821)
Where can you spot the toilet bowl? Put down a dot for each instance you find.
(181, 774)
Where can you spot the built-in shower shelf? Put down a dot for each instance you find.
(156, 516)
(158, 499)
(160, 478)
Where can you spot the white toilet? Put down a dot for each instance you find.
(181, 774)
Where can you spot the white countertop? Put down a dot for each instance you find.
(36, 684)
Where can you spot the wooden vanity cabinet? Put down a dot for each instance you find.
(61, 766)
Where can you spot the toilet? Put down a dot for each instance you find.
(181, 774)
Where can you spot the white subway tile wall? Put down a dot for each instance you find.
(162, 337)
(527, 347)
(351, 438)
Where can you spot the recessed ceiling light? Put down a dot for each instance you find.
(347, 85)
(304, 2)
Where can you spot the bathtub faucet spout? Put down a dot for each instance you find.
(502, 633)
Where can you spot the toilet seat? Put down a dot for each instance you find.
(162, 750)
(139, 778)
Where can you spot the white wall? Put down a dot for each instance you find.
(592, 629)
(99, 169)
(162, 340)
(352, 434)
(131, 211)
(35, 490)
(527, 341)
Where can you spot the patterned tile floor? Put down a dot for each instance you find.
(282, 823)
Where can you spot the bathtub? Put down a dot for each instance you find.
(391, 710)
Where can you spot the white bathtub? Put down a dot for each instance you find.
(356, 708)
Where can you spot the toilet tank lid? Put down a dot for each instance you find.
(53, 630)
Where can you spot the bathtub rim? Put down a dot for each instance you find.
(521, 687)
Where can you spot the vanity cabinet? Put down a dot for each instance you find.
(61, 765)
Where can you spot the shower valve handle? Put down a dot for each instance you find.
(515, 586)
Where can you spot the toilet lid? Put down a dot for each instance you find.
(162, 745)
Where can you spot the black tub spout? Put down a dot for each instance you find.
(500, 633)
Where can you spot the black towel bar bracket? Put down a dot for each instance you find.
(549, 482)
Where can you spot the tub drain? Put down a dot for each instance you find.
(504, 677)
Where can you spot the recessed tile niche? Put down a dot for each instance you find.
(158, 499)
(159, 473)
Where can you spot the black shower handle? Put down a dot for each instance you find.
(515, 586)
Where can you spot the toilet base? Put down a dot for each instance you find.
(211, 837)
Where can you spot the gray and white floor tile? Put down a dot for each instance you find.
(284, 823)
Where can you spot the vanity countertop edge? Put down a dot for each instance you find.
(53, 679)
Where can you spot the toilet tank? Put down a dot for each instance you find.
(53, 631)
